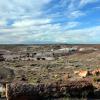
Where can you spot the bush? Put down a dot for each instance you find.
(18, 65)
(33, 64)
(96, 79)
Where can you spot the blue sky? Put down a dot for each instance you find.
(49, 21)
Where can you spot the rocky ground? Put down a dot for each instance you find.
(50, 71)
(47, 71)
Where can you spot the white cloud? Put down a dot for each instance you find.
(37, 26)
(71, 9)
(85, 2)
(51, 33)
(76, 14)
(18, 8)
(74, 8)
(87, 35)
(31, 22)
(70, 25)
(3, 22)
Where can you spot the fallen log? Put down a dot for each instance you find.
(24, 91)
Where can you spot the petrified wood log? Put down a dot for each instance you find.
(24, 91)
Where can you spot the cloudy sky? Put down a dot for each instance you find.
(49, 21)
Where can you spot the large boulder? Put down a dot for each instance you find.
(6, 74)
(25, 91)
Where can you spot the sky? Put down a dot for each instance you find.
(49, 21)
